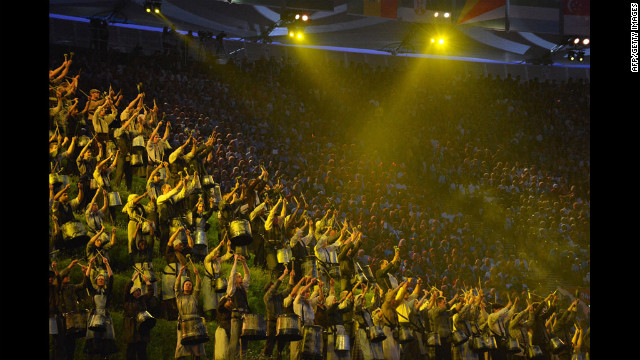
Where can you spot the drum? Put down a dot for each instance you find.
(221, 285)
(138, 142)
(195, 186)
(98, 323)
(194, 331)
(136, 160)
(240, 232)
(75, 323)
(334, 271)
(556, 345)
(375, 334)
(534, 352)
(242, 250)
(342, 343)
(478, 344)
(201, 238)
(284, 255)
(490, 341)
(254, 327)
(288, 327)
(216, 194)
(53, 325)
(310, 267)
(405, 335)
(207, 182)
(312, 342)
(74, 233)
(433, 339)
(145, 321)
(511, 345)
(459, 337)
(114, 199)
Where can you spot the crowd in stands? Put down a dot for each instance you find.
(460, 185)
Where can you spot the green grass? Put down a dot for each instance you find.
(163, 335)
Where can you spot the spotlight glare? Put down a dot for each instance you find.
(436, 14)
(447, 14)
(305, 17)
(157, 11)
(441, 41)
(576, 40)
(586, 42)
(297, 16)
(433, 40)
(148, 10)
(299, 36)
(292, 34)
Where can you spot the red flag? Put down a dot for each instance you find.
(577, 7)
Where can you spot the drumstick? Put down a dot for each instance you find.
(85, 94)
(138, 270)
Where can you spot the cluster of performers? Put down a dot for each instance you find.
(321, 301)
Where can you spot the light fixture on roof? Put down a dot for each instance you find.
(153, 6)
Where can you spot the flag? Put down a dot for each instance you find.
(421, 11)
(292, 4)
(483, 13)
(577, 17)
(379, 8)
(537, 16)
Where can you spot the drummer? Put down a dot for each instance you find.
(95, 216)
(174, 254)
(187, 302)
(136, 214)
(102, 176)
(303, 306)
(155, 149)
(300, 245)
(200, 226)
(167, 210)
(135, 303)
(327, 253)
(63, 208)
(274, 303)
(100, 244)
(238, 291)
(100, 344)
(68, 302)
(275, 229)
(223, 318)
(86, 165)
(124, 136)
(212, 268)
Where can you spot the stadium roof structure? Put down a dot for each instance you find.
(503, 30)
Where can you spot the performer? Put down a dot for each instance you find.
(100, 344)
(135, 303)
(187, 302)
(212, 268)
(238, 291)
(273, 301)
